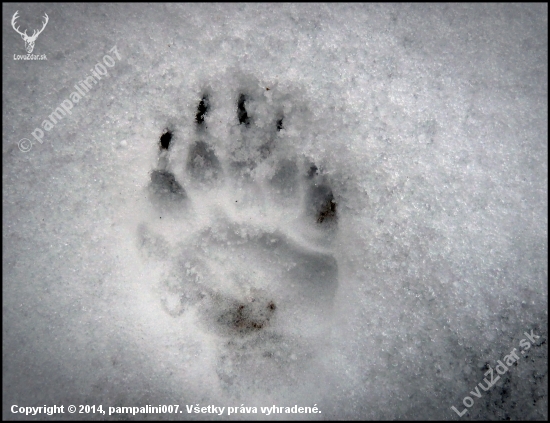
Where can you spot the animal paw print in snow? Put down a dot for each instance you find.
(245, 229)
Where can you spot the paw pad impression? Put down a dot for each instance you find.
(253, 180)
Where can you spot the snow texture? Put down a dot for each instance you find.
(261, 204)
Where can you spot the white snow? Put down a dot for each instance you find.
(427, 122)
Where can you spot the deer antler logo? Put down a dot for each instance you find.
(29, 41)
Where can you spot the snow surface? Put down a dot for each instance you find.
(202, 274)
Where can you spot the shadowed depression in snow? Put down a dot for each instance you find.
(330, 207)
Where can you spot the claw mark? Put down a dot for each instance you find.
(165, 140)
(280, 124)
(322, 203)
(312, 171)
(241, 111)
(202, 110)
(328, 211)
